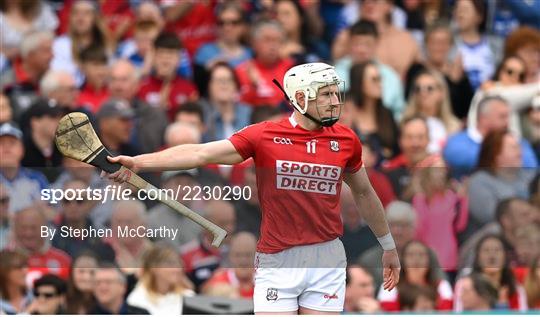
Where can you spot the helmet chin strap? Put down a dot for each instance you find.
(325, 122)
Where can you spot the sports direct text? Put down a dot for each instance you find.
(308, 177)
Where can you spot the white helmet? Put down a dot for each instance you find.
(308, 78)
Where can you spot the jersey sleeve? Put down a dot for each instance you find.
(245, 140)
(355, 161)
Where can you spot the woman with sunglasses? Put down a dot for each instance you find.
(14, 296)
(81, 283)
(430, 99)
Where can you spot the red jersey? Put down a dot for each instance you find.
(299, 175)
(265, 93)
(92, 98)
(180, 92)
(53, 261)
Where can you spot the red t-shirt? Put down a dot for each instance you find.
(299, 175)
(196, 27)
(265, 93)
(92, 98)
(53, 261)
(180, 92)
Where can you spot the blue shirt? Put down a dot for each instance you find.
(212, 51)
(25, 188)
(462, 150)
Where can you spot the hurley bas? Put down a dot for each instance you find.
(121, 232)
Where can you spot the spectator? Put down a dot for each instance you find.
(49, 296)
(139, 50)
(129, 250)
(200, 258)
(178, 181)
(532, 284)
(24, 184)
(115, 124)
(413, 142)
(60, 86)
(75, 214)
(76, 170)
(84, 30)
(164, 88)
(370, 116)
(477, 51)
(18, 18)
(526, 237)
(357, 237)
(360, 292)
(14, 297)
(27, 237)
(300, 45)
(40, 121)
(256, 74)
(530, 124)
(162, 283)
(523, 42)
(500, 176)
(534, 191)
(492, 263)
(380, 182)
(363, 38)
(441, 211)
(510, 214)
(417, 298)
(462, 150)
(193, 22)
(149, 122)
(228, 47)
(477, 294)
(21, 84)
(192, 113)
(240, 273)
(511, 71)
(430, 99)
(81, 283)
(441, 56)
(419, 268)
(93, 63)
(110, 290)
(5, 216)
(396, 48)
(6, 113)
(224, 114)
(150, 11)
(248, 212)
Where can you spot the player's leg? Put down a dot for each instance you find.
(325, 288)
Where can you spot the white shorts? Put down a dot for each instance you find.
(310, 276)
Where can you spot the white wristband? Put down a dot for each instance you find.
(387, 242)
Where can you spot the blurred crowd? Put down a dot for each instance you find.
(443, 94)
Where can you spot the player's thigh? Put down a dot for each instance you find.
(307, 311)
(277, 313)
(277, 290)
(325, 292)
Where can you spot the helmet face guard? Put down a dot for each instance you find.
(318, 82)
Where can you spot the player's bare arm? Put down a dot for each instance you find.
(372, 211)
(180, 157)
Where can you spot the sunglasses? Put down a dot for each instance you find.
(376, 79)
(4, 200)
(427, 88)
(44, 294)
(229, 22)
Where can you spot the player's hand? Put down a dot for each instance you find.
(391, 269)
(118, 176)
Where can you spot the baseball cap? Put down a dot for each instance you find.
(44, 107)
(115, 108)
(10, 129)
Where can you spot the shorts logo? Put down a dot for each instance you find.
(334, 146)
(271, 294)
(327, 296)
(278, 140)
